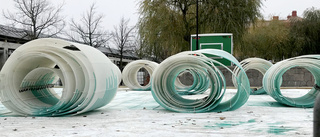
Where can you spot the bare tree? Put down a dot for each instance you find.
(36, 17)
(122, 37)
(88, 30)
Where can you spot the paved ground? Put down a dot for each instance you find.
(135, 113)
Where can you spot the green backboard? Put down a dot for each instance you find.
(222, 41)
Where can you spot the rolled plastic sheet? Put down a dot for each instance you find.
(164, 77)
(200, 83)
(90, 80)
(130, 72)
(258, 64)
(272, 80)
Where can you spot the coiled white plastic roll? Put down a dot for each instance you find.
(253, 63)
(179, 85)
(272, 80)
(164, 77)
(129, 73)
(200, 84)
(90, 80)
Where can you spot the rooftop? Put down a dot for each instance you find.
(17, 35)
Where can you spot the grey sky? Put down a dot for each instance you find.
(115, 9)
(283, 8)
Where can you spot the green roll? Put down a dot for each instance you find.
(256, 64)
(272, 80)
(165, 93)
(90, 80)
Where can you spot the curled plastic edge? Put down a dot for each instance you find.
(129, 74)
(164, 92)
(200, 83)
(272, 80)
(90, 80)
(256, 64)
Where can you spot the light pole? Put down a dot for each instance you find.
(197, 26)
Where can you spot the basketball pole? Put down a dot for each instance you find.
(197, 28)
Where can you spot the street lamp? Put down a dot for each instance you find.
(197, 26)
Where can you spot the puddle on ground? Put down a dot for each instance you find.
(266, 104)
(229, 124)
(275, 128)
(279, 130)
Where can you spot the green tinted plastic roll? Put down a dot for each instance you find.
(200, 83)
(273, 78)
(256, 64)
(129, 74)
(90, 80)
(165, 93)
(182, 87)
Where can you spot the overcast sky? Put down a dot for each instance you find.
(115, 9)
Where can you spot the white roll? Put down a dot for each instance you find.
(129, 74)
(166, 93)
(272, 80)
(90, 80)
(256, 64)
(200, 84)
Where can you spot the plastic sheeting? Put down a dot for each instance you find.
(272, 80)
(90, 80)
(256, 64)
(130, 72)
(165, 93)
(199, 85)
